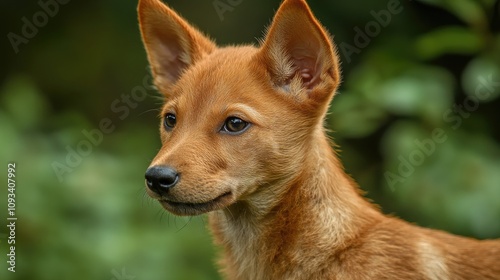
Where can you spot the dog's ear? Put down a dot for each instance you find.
(299, 53)
(171, 43)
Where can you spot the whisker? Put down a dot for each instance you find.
(188, 221)
(149, 111)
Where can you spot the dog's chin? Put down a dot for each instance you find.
(192, 209)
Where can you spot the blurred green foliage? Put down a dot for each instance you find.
(420, 73)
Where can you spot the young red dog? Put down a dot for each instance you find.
(243, 138)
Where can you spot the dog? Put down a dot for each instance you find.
(243, 140)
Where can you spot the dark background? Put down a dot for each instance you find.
(434, 67)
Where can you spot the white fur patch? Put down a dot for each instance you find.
(433, 264)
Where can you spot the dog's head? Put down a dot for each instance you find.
(235, 119)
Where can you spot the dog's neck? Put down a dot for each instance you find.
(319, 209)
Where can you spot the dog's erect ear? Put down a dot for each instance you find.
(171, 43)
(298, 51)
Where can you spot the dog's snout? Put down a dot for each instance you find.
(160, 179)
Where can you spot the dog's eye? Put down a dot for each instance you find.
(234, 125)
(169, 121)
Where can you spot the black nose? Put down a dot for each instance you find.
(161, 178)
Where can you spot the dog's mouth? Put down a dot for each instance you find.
(192, 209)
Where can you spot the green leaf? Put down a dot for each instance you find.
(425, 92)
(481, 79)
(448, 40)
(353, 116)
(467, 10)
